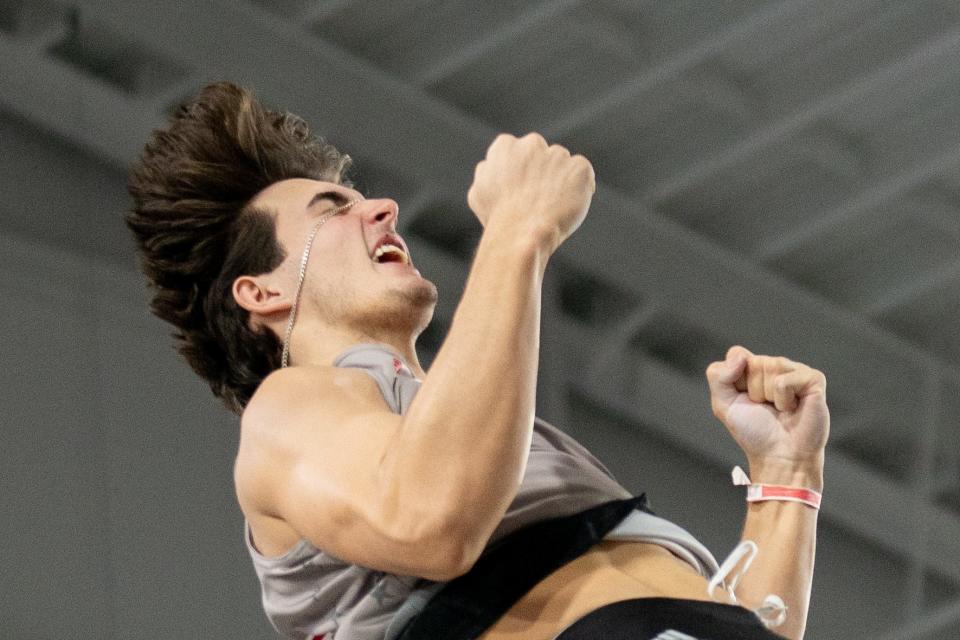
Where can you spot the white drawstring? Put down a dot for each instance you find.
(773, 611)
(746, 548)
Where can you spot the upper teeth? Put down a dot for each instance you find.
(389, 248)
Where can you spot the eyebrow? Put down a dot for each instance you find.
(335, 197)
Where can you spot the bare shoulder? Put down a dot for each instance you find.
(297, 389)
(295, 411)
(307, 397)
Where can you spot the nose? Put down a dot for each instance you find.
(380, 211)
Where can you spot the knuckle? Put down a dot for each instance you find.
(536, 138)
(502, 140)
(584, 169)
(714, 369)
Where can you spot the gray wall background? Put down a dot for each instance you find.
(781, 174)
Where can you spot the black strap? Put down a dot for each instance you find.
(641, 618)
(469, 605)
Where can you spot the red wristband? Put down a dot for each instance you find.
(763, 492)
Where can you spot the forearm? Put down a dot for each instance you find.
(463, 444)
(785, 533)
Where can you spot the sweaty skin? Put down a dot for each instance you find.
(321, 456)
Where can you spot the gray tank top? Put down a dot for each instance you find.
(307, 593)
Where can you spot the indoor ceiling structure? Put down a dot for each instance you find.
(780, 174)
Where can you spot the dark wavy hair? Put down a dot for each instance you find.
(196, 232)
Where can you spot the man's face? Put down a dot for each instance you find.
(359, 274)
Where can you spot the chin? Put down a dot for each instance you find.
(404, 309)
(417, 303)
(423, 293)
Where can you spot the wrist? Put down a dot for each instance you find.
(531, 240)
(806, 473)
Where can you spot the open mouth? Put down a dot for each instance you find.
(389, 252)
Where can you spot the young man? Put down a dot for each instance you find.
(383, 501)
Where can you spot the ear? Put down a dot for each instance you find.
(260, 296)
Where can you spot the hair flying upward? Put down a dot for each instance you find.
(196, 232)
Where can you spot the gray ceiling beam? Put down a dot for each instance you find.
(621, 243)
(947, 477)
(319, 11)
(936, 280)
(884, 88)
(773, 17)
(856, 496)
(59, 98)
(341, 95)
(945, 618)
(632, 247)
(921, 481)
(532, 17)
(383, 116)
(860, 205)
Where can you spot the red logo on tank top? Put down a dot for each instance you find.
(397, 365)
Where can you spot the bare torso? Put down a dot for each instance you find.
(610, 572)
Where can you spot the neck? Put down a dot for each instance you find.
(321, 345)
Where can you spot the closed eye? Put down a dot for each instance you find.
(343, 208)
(336, 198)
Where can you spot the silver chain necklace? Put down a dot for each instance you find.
(285, 357)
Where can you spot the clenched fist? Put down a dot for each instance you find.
(775, 408)
(532, 188)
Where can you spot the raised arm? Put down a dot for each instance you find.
(776, 410)
(467, 436)
(421, 494)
